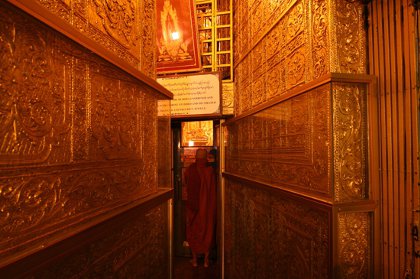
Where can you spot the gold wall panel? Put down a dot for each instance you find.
(127, 27)
(355, 242)
(78, 136)
(133, 245)
(299, 145)
(348, 36)
(282, 44)
(286, 145)
(312, 144)
(164, 136)
(296, 132)
(273, 235)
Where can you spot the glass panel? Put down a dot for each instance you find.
(223, 58)
(223, 45)
(223, 32)
(223, 19)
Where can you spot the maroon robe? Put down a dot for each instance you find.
(201, 206)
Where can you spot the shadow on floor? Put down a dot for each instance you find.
(184, 270)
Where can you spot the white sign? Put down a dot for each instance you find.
(194, 94)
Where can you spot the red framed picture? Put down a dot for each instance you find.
(177, 40)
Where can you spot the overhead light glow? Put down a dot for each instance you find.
(175, 35)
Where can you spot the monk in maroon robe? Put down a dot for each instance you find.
(201, 206)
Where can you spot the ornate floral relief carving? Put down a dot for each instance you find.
(349, 109)
(238, 87)
(228, 101)
(60, 7)
(115, 131)
(256, 22)
(118, 19)
(149, 43)
(295, 45)
(254, 19)
(276, 81)
(33, 105)
(39, 202)
(274, 43)
(246, 71)
(79, 89)
(320, 38)
(113, 24)
(258, 92)
(258, 60)
(80, 14)
(274, 5)
(77, 124)
(150, 142)
(274, 236)
(285, 43)
(36, 195)
(246, 98)
(354, 241)
(295, 21)
(351, 37)
(296, 68)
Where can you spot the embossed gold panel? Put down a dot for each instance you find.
(306, 141)
(270, 234)
(133, 244)
(78, 136)
(355, 242)
(286, 144)
(126, 28)
(350, 142)
(296, 132)
(282, 44)
(311, 144)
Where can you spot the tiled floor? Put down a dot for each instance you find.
(184, 270)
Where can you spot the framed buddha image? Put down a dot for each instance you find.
(177, 39)
(197, 133)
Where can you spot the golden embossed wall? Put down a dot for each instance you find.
(298, 182)
(79, 136)
(312, 144)
(274, 234)
(126, 27)
(281, 44)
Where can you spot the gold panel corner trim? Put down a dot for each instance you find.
(350, 139)
(354, 245)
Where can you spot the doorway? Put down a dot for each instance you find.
(189, 136)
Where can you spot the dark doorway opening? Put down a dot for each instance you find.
(183, 156)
